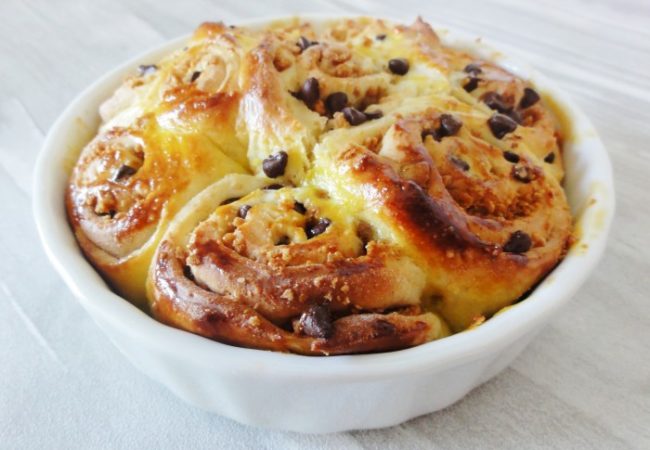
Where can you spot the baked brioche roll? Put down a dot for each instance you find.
(286, 270)
(351, 186)
(472, 209)
(167, 133)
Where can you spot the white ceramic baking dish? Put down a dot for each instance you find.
(322, 394)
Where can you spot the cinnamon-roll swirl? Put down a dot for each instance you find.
(165, 135)
(353, 186)
(285, 270)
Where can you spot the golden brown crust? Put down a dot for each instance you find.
(463, 245)
(179, 302)
(397, 187)
(286, 257)
(284, 268)
(162, 141)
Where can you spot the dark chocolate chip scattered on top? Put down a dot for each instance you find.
(316, 227)
(383, 328)
(430, 132)
(243, 211)
(511, 156)
(449, 125)
(354, 116)
(529, 98)
(522, 173)
(299, 208)
(274, 165)
(399, 66)
(500, 125)
(472, 69)
(496, 102)
(316, 322)
(518, 242)
(470, 84)
(309, 91)
(515, 115)
(305, 43)
(187, 271)
(336, 101)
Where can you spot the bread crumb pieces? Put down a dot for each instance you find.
(287, 295)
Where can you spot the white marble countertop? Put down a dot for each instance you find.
(583, 383)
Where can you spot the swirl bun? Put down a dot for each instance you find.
(469, 216)
(352, 187)
(278, 258)
(163, 139)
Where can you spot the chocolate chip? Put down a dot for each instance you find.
(305, 43)
(274, 165)
(522, 173)
(383, 328)
(500, 125)
(310, 91)
(336, 101)
(514, 115)
(519, 242)
(463, 165)
(123, 172)
(511, 156)
(299, 208)
(549, 158)
(243, 211)
(471, 84)
(529, 98)
(284, 240)
(473, 69)
(494, 101)
(430, 132)
(272, 187)
(354, 116)
(195, 76)
(399, 66)
(146, 69)
(187, 271)
(380, 37)
(316, 227)
(449, 125)
(316, 322)
(374, 115)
